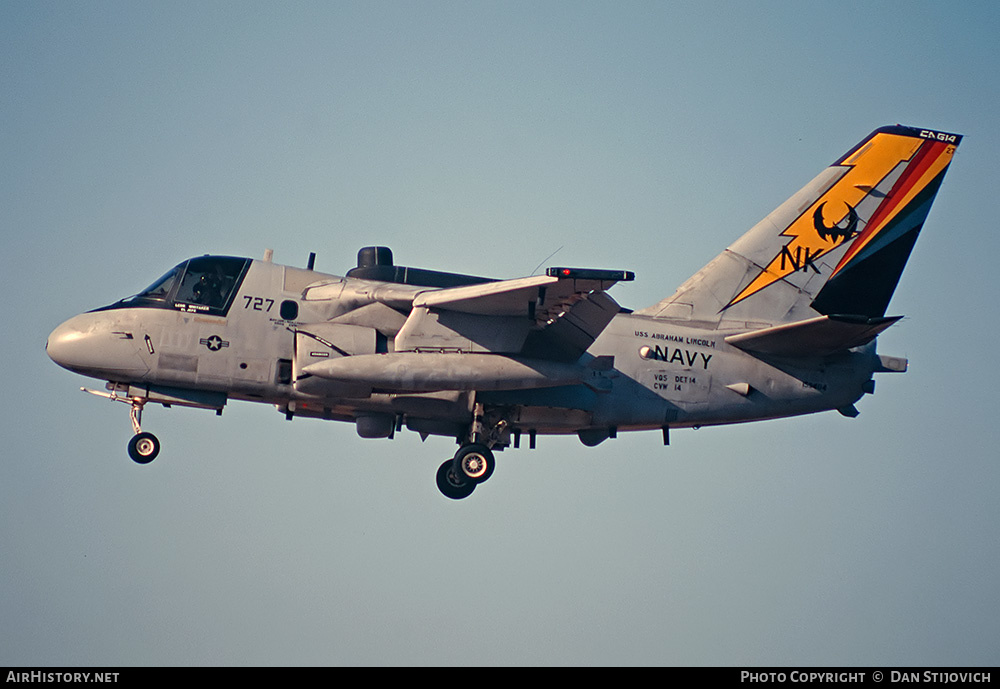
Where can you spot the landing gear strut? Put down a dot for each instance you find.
(143, 447)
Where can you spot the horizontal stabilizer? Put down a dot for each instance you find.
(813, 336)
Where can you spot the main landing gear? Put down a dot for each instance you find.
(474, 462)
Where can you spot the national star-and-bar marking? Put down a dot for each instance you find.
(214, 342)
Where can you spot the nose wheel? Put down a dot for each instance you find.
(143, 448)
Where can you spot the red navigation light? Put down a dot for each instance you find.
(591, 274)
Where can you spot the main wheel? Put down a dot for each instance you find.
(474, 462)
(451, 485)
(143, 448)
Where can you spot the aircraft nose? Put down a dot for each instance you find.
(64, 344)
(74, 344)
(86, 344)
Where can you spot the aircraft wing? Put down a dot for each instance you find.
(503, 298)
(552, 316)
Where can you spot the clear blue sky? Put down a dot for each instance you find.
(481, 137)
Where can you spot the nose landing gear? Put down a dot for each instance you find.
(143, 447)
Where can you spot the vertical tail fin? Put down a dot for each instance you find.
(838, 246)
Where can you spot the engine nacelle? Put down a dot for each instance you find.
(318, 342)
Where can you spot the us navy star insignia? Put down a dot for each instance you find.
(214, 342)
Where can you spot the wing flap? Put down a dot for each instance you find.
(571, 334)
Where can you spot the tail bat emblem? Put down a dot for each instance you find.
(835, 232)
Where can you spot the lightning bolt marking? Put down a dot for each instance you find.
(867, 167)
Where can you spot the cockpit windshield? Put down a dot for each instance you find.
(209, 282)
(161, 288)
(206, 284)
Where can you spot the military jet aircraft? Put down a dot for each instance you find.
(781, 323)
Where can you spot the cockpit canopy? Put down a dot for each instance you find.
(206, 284)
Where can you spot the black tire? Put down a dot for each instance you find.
(450, 485)
(143, 448)
(474, 462)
